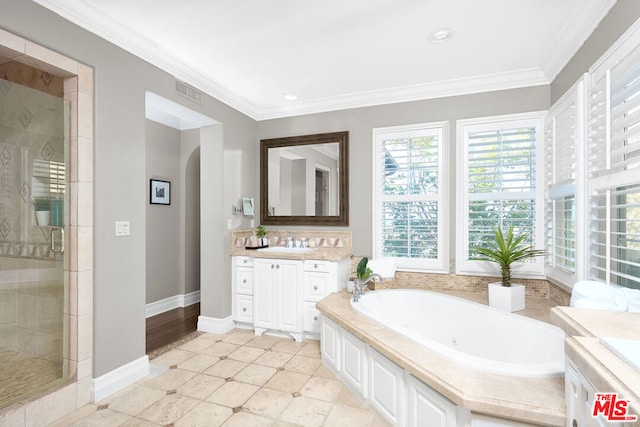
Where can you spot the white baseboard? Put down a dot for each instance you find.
(114, 381)
(167, 304)
(215, 325)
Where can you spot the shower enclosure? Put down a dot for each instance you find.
(34, 140)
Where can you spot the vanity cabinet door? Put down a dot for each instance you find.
(315, 285)
(244, 280)
(264, 293)
(277, 294)
(289, 298)
(244, 308)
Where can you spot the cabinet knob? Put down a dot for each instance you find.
(244, 280)
(315, 287)
(315, 265)
(245, 261)
(574, 423)
(278, 266)
(272, 266)
(244, 308)
(315, 317)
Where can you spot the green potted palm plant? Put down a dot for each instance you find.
(504, 251)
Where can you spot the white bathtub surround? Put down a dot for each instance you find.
(474, 391)
(508, 298)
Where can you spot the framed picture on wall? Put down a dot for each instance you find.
(160, 192)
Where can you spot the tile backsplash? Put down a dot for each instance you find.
(455, 282)
(314, 239)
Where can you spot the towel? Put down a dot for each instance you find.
(633, 298)
(592, 294)
(386, 267)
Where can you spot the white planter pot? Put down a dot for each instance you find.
(509, 298)
(43, 217)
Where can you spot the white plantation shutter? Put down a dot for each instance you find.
(48, 177)
(614, 165)
(409, 212)
(564, 141)
(498, 185)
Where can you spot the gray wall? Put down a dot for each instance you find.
(121, 183)
(190, 215)
(163, 222)
(361, 122)
(621, 16)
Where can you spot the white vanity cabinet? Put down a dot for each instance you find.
(277, 296)
(320, 279)
(280, 295)
(242, 279)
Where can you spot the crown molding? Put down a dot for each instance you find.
(97, 22)
(440, 89)
(576, 30)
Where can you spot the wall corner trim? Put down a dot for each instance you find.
(214, 325)
(116, 380)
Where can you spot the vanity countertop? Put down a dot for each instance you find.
(321, 254)
(604, 370)
(533, 400)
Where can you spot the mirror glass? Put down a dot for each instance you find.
(304, 180)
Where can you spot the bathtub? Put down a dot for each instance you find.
(470, 333)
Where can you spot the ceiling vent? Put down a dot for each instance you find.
(188, 92)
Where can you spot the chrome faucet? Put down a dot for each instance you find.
(359, 287)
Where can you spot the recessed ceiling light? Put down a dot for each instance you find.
(441, 35)
(290, 97)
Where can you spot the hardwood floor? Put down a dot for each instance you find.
(171, 326)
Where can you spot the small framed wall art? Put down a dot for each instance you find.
(160, 193)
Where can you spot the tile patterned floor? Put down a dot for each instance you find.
(236, 379)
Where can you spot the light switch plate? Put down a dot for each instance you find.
(229, 224)
(122, 228)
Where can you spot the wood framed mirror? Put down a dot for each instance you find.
(304, 180)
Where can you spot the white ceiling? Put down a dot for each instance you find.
(336, 54)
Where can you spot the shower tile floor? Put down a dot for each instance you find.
(236, 379)
(22, 374)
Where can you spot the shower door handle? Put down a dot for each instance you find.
(54, 248)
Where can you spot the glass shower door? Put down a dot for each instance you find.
(33, 186)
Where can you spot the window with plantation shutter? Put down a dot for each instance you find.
(48, 178)
(614, 164)
(564, 145)
(499, 185)
(410, 219)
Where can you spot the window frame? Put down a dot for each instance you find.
(433, 265)
(465, 266)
